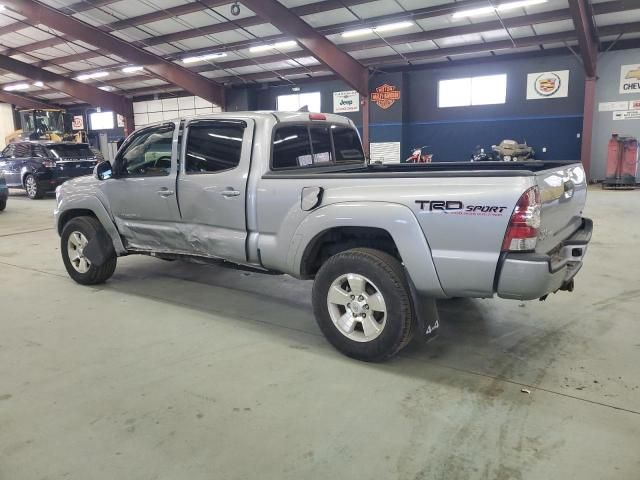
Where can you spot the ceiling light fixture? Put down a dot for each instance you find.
(132, 69)
(38, 84)
(106, 88)
(379, 29)
(16, 86)
(201, 58)
(90, 76)
(475, 12)
(274, 46)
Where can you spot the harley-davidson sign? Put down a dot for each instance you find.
(385, 95)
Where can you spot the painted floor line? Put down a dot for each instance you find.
(25, 232)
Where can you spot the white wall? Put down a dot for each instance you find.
(6, 122)
(608, 90)
(152, 111)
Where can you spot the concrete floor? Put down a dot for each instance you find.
(178, 371)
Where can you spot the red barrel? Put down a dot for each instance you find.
(622, 162)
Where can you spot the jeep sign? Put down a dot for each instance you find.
(630, 79)
(346, 101)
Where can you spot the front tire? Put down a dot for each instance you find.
(362, 304)
(76, 234)
(3, 204)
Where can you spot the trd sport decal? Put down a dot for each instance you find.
(456, 207)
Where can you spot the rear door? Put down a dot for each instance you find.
(563, 193)
(212, 187)
(142, 194)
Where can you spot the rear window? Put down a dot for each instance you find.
(70, 151)
(296, 146)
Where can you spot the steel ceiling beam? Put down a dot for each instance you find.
(345, 66)
(69, 10)
(81, 91)
(587, 36)
(192, 82)
(25, 102)
(611, 6)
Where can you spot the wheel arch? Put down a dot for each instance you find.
(395, 231)
(90, 206)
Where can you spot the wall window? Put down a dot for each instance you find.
(464, 92)
(294, 102)
(214, 146)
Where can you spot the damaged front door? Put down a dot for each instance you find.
(212, 186)
(142, 194)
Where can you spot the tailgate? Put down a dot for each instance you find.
(563, 192)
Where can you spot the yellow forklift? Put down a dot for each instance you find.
(46, 125)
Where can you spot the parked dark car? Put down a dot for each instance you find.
(40, 167)
(4, 193)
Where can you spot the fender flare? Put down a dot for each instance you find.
(396, 219)
(92, 204)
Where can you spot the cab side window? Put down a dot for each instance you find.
(148, 154)
(9, 151)
(38, 151)
(23, 150)
(213, 146)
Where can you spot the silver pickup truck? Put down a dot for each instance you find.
(292, 193)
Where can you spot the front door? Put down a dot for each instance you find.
(14, 157)
(213, 184)
(142, 192)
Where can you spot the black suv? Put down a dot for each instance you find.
(40, 167)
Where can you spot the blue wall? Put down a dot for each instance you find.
(453, 133)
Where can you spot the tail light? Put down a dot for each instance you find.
(49, 163)
(524, 225)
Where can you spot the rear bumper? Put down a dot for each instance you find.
(526, 276)
(49, 179)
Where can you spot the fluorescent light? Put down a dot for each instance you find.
(38, 84)
(393, 26)
(357, 33)
(274, 46)
(106, 88)
(201, 58)
(2, 8)
(132, 69)
(474, 12)
(381, 28)
(89, 76)
(17, 86)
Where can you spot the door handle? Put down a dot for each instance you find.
(165, 192)
(230, 193)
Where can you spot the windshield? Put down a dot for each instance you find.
(41, 121)
(70, 151)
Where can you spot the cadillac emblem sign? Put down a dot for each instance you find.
(385, 95)
(547, 84)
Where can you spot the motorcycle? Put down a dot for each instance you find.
(417, 156)
(512, 151)
(479, 155)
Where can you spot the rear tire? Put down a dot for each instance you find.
(34, 191)
(362, 303)
(75, 236)
(3, 204)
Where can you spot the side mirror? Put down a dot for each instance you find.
(103, 170)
